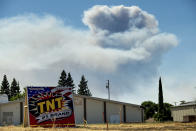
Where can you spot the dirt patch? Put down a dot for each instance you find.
(113, 127)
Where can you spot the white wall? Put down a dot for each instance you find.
(0, 115)
(78, 110)
(179, 112)
(94, 111)
(114, 112)
(3, 98)
(133, 114)
(11, 107)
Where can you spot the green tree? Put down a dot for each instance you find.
(150, 108)
(18, 96)
(63, 79)
(160, 113)
(70, 83)
(5, 86)
(167, 112)
(83, 87)
(15, 88)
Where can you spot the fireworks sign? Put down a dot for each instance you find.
(50, 106)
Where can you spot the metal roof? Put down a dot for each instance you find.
(107, 100)
(90, 97)
(190, 103)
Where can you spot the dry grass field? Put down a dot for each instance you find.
(113, 127)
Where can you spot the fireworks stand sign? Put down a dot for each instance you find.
(50, 106)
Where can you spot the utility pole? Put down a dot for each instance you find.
(108, 87)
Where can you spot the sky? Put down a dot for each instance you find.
(131, 43)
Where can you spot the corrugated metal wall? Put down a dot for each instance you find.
(179, 112)
(114, 112)
(11, 113)
(94, 110)
(133, 114)
(79, 109)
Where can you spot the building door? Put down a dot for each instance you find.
(7, 118)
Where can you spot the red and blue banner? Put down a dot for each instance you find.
(50, 106)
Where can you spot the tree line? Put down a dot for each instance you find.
(67, 80)
(160, 111)
(13, 91)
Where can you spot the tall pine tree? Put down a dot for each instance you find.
(15, 88)
(83, 87)
(160, 104)
(63, 79)
(70, 83)
(5, 86)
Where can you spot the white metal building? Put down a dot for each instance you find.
(92, 109)
(11, 113)
(3, 98)
(185, 112)
(97, 110)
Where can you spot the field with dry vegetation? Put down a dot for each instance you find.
(114, 127)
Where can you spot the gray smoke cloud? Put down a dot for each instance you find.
(118, 19)
(122, 44)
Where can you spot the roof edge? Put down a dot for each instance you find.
(83, 96)
(107, 100)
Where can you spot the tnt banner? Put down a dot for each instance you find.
(50, 106)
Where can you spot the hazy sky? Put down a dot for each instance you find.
(131, 43)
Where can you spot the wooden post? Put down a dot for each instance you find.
(25, 122)
(54, 124)
(108, 87)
